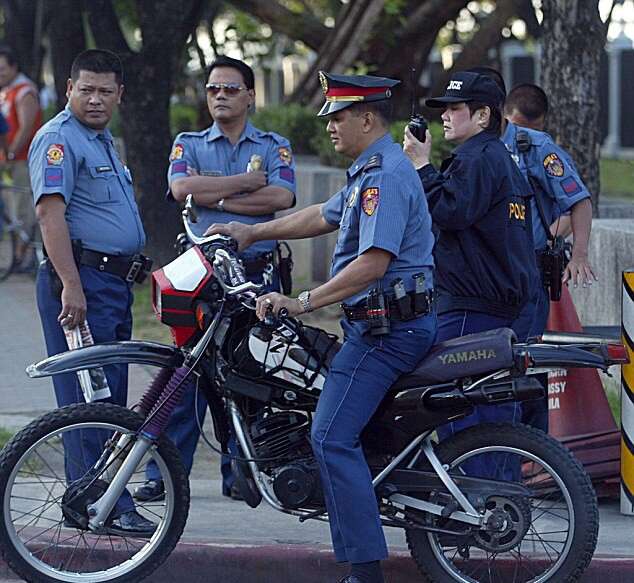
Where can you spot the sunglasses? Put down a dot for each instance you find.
(230, 88)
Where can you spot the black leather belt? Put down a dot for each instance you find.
(132, 268)
(258, 264)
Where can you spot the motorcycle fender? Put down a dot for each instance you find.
(125, 352)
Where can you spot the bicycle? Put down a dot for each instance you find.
(12, 232)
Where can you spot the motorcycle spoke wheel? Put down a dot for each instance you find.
(545, 535)
(42, 541)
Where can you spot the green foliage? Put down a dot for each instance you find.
(5, 435)
(183, 118)
(617, 178)
(296, 123)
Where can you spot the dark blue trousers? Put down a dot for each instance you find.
(360, 376)
(109, 299)
(459, 323)
(183, 425)
(532, 322)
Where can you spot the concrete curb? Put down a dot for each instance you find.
(215, 562)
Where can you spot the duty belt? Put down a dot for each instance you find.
(362, 312)
(132, 268)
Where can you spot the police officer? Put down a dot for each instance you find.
(384, 234)
(484, 252)
(235, 172)
(92, 233)
(558, 190)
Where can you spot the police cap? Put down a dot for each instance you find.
(342, 91)
(468, 86)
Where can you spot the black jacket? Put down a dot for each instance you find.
(484, 249)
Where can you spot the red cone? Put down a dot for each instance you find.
(578, 411)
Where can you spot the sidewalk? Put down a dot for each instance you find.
(226, 541)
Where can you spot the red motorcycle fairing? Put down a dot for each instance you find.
(175, 287)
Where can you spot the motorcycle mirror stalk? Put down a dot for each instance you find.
(417, 123)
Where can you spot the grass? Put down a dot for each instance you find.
(5, 435)
(146, 324)
(617, 178)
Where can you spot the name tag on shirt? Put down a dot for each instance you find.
(101, 169)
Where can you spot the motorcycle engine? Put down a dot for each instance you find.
(286, 436)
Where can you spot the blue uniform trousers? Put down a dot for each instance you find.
(360, 375)
(532, 322)
(183, 425)
(109, 300)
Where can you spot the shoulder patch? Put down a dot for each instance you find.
(375, 161)
(570, 186)
(177, 152)
(55, 154)
(553, 165)
(285, 155)
(370, 200)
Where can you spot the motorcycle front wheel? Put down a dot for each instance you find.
(41, 541)
(549, 534)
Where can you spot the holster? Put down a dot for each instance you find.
(553, 261)
(285, 267)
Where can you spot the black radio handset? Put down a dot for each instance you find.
(417, 123)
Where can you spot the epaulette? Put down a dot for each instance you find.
(375, 161)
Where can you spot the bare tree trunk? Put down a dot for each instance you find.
(23, 27)
(341, 47)
(573, 40)
(67, 39)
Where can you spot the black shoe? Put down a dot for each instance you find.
(131, 523)
(233, 493)
(151, 491)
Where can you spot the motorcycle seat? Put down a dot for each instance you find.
(466, 356)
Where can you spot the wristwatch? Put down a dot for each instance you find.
(304, 301)
(220, 205)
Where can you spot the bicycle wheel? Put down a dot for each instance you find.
(546, 535)
(42, 541)
(8, 243)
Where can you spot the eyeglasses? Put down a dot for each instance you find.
(230, 88)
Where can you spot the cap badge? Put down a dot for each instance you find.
(455, 85)
(324, 81)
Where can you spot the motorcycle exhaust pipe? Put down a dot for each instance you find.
(520, 389)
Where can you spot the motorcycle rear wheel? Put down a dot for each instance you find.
(547, 537)
(41, 544)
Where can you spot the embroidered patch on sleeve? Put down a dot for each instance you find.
(53, 176)
(55, 154)
(287, 174)
(179, 167)
(370, 200)
(285, 155)
(177, 152)
(570, 186)
(553, 165)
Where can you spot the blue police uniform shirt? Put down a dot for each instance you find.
(550, 167)
(383, 205)
(212, 154)
(68, 158)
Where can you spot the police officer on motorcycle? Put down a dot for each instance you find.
(382, 272)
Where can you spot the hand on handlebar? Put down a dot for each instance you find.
(274, 302)
(238, 231)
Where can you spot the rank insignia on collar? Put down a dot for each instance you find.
(177, 152)
(553, 165)
(323, 81)
(55, 154)
(353, 197)
(285, 155)
(370, 200)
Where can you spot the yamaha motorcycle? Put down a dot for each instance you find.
(531, 516)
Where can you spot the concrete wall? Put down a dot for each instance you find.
(611, 247)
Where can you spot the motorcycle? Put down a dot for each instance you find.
(531, 516)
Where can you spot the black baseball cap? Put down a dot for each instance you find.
(468, 86)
